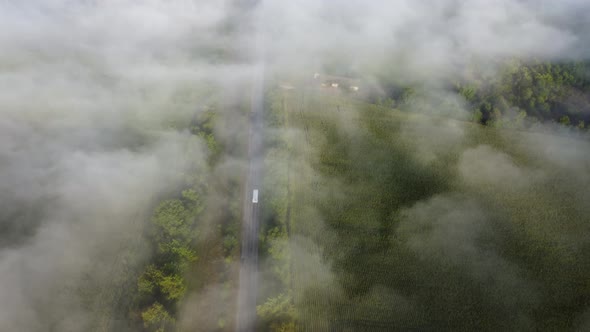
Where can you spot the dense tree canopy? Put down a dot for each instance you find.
(540, 90)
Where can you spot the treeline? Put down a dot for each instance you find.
(162, 284)
(539, 91)
(173, 233)
(276, 311)
(415, 240)
(514, 91)
(177, 263)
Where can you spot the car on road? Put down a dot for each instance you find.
(255, 196)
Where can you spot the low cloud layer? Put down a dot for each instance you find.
(424, 40)
(90, 92)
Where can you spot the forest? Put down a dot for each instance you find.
(544, 91)
(516, 94)
(388, 219)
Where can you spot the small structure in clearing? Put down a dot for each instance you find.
(337, 82)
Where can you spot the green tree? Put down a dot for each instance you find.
(564, 120)
(476, 116)
(157, 319)
(173, 287)
(283, 327)
(172, 219)
(278, 308)
(468, 92)
(180, 249)
(407, 95)
(149, 281)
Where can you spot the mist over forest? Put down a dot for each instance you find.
(425, 164)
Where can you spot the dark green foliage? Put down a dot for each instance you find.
(544, 91)
(173, 231)
(406, 95)
(149, 281)
(409, 245)
(172, 221)
(279, 309)
(203, 126)
(565, 120)
(379, 176)
(276, 311)
(172, 287)
(162, 284)
(157, 319)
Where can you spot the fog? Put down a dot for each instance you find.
(424, 39)
(89, 90)
(93, 95)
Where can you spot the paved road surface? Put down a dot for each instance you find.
(248, 288)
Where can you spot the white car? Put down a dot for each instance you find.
(255, 196)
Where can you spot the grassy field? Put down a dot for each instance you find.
(400, 221)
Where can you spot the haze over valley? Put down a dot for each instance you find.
(303, 165)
